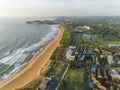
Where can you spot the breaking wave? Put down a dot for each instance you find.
(13, 61)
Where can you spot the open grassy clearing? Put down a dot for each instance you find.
(76, 78)
(95, 39)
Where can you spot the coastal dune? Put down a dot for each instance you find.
(31, 71)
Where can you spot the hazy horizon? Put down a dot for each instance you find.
(53, 8)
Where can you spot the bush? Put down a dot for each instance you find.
(31, 86)
(65, 41)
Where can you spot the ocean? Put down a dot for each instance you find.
(20, 42)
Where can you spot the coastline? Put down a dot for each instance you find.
(31, 70)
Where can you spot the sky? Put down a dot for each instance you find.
(48, 8)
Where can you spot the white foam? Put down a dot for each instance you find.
(11, 59)
(7, 53)
(19, 55)
(6, 76)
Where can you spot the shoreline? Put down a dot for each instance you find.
(32, 69)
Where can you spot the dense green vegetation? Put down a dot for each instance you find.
(66, 41)
(67, 37)
(54, 68)
(57, 54)
(101, 35)
(56, 64)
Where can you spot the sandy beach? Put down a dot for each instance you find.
(31, 71)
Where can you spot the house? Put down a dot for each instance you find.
(90, 51)
(44, 84)
(93, 69)
(69, 55)
(115, 73)
(107, 67)
(110, 59)
(119, 62)
(81, 57)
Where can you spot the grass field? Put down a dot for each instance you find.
(95, 40)
(76, 79)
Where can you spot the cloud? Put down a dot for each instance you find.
(59, 7)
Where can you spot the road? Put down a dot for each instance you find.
(54, 82)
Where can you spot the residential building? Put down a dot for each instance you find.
(69, 55)
(110, 59)
(44, 84)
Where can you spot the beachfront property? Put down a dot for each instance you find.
(70, 53)
(44, 83)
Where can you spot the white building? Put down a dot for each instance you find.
(69, 55)
(115, 74)
(72, 47)
(114, 45)
(110, 59)
(86, 27)
(82, 28)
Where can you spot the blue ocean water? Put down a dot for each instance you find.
(19, 42)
